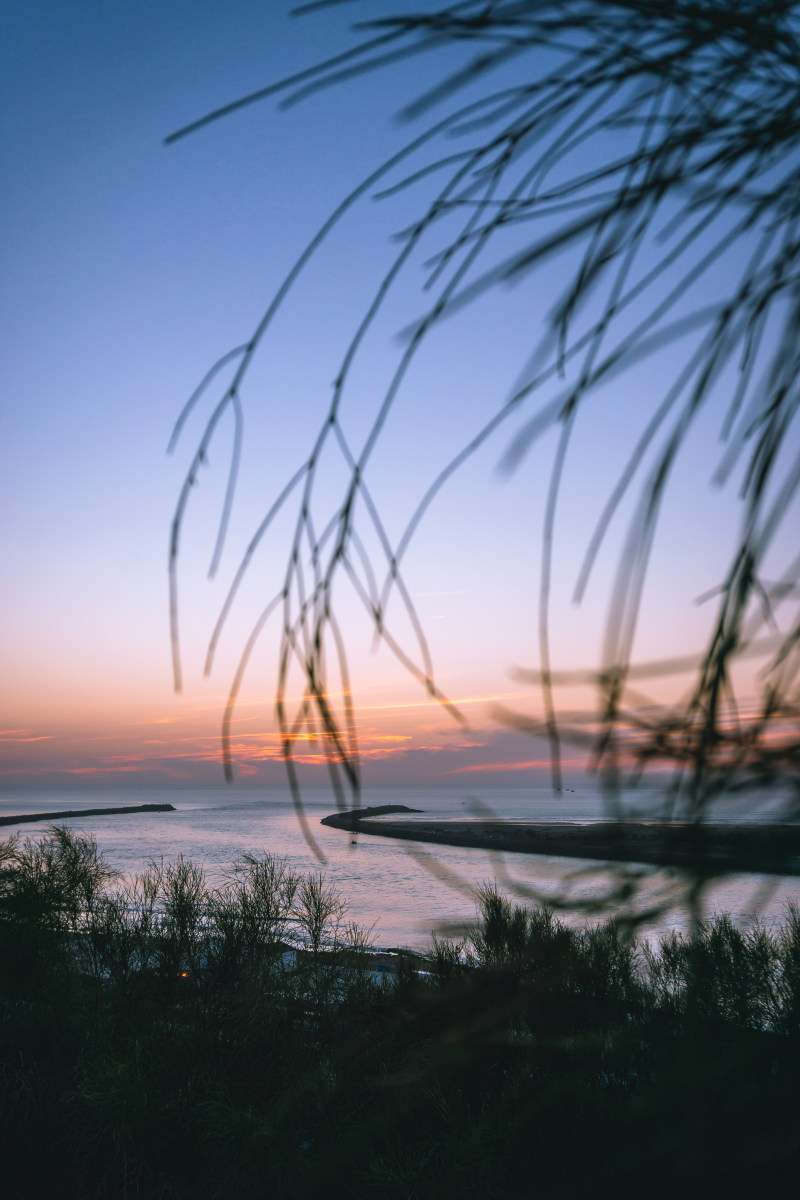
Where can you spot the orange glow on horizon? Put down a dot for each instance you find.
(405, 738)
(531, 765)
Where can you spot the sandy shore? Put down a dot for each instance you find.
(710, 848)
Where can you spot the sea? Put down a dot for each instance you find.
(400, 891)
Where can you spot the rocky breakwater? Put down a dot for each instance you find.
(70, 814)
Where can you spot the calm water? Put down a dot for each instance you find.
(402, 890)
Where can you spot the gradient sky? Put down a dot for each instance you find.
(129, 268)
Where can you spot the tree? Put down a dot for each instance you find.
(648, 146)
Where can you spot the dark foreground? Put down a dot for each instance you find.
(710, 848)
(164, 1042)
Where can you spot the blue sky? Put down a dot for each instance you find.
(129, 268)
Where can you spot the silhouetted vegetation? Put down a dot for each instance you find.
(162, 1039)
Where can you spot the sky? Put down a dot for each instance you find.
(129, 268)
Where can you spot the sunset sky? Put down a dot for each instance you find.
(129, 268)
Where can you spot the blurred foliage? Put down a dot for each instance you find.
(640, 161)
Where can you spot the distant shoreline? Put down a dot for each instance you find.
(70, 813)
(709, 848)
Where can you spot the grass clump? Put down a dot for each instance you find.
(160, 1038)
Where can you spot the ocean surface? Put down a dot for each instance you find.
(400, 890)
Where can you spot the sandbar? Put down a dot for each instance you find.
(711, 848)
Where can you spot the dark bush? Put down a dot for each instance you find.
(164, 1039)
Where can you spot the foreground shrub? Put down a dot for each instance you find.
(162, 1038)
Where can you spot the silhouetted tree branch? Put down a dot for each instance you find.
(650, 149)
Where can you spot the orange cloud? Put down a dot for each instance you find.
(515, 766)
(24, 735)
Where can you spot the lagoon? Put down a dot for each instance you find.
(402, 891)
